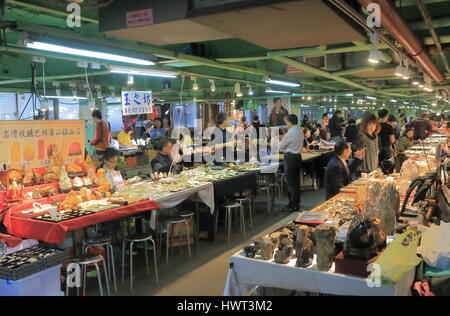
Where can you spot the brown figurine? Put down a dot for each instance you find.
(304, 247)
(325, 237)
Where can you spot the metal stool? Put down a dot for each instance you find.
(134, 240)
(276, 187)
(229, 218)
(241, 201)
(84, 262)
(107, 243)
(173, 221)
(266, 188)
(191, 216)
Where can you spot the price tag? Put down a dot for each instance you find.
(119, 183)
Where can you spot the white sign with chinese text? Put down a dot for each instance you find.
(136, 102)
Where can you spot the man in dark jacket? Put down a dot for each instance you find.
(339, 174)
(163, 162)
(336, 127)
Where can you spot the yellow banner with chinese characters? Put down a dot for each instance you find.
(27, 143)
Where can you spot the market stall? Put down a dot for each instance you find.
(349, 242)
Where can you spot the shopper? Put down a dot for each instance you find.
(387, 136)
(224, 145)
(278, 114)
(256, 123)
(291, 145)
(307, 136)
(394, 123)
(101, 139)
(163, 162)
(339, 173)
(315, 137)
(351, 132)
(324, 121)
(124, 137)
(368, 140)
(336, 127)
(422, 127)
(157, 129)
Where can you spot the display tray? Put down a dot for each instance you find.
(64, 217)
(30, 261)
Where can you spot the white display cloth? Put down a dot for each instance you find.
(205, 193)
(246, 273)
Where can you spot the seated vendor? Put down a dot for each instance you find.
(339, 173)
(124, 138)
(163, 161)
(110, 160)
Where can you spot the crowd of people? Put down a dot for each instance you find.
(376, 141)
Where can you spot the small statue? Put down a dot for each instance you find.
(360, 242)
(304, 247)
(251, 251)
(325, 237)
(267, 249)
(64, 181)
(284, 254)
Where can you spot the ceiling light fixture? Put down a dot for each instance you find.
(86, 53)
(237, 89)
(213, 85)
(142, 72)
(195, 86)
(281, 83)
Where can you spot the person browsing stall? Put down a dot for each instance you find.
(157, 130)
(292, 146)
(368, 140)
(339, 174)
(101, 139)
(163, 162)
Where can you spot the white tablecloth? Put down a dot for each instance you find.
(247, 273)
(205, 193)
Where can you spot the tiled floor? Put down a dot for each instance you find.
(206, 274)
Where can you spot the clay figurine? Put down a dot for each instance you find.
(304, 247)
(325, 237)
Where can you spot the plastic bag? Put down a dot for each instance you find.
(397, 259)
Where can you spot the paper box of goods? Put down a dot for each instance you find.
(353, 267)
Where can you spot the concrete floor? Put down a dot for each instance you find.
(206, 274)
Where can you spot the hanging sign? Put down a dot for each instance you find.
(137, 102)
(140, 18)
(27, 144)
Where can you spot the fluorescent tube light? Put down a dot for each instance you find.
(268, 90)
(374, 56)
(65, 97)
(86, 53)
(282, 83)
(142, 72)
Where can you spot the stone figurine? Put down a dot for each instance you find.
(284, 253)
(325, 237)
(304, 247)
(267, 248)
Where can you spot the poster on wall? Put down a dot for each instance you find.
(278, 109)
(137, 102)
(26, 144)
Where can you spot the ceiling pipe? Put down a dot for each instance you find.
(428, 21)
(394, 23)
